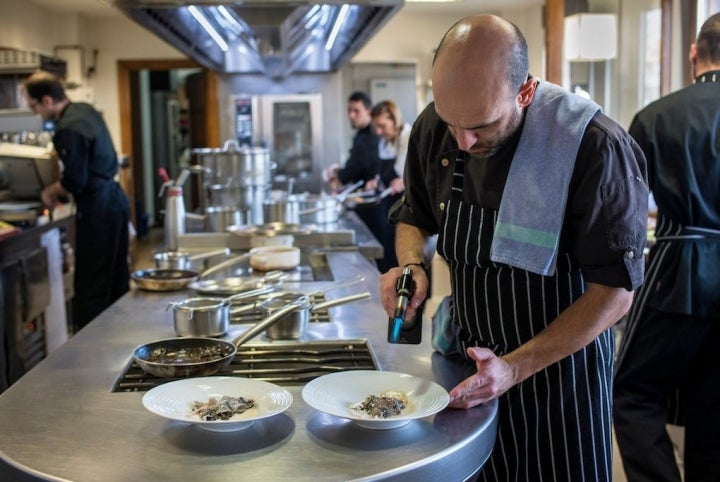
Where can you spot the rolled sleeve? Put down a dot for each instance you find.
(607, 209)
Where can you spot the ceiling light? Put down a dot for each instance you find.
(336, 28)
(208, 27)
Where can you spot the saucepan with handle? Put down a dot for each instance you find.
(294, 325)
(206, 316)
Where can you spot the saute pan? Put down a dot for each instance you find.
(195, 357)
(161, 279)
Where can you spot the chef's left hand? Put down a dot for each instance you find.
(493, 378)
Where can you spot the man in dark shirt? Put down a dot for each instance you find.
(85, 148)
(537, 338)
(670, 344)
(364, 160)
(362, 165)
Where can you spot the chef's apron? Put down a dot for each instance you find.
(101, 266)
(668, 234)
(554, 426)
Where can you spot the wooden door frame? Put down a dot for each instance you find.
(125, 70)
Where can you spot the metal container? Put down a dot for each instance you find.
(294, 324)
(285, 211)
(314, 209)
(174, 217)
(201, 317)
(236, 165)
(219, 218)
(219, 195)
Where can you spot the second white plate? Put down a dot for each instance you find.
(337, 392)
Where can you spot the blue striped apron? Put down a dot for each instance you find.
(554, 426)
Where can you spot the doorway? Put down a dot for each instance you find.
(151, 95)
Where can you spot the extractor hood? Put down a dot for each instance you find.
(272, 37)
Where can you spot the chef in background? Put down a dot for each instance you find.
(363, 161)
(392, 150)
(670, 343)
(83, 144)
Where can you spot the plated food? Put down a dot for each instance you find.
(385, 405)
(349, 395)
(208, 401)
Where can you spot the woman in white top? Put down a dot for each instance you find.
(392, 149)
(394, 136)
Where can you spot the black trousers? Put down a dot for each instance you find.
(669, 352)
(101, 264)
(375, 218)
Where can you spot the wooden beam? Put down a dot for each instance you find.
(554, 19)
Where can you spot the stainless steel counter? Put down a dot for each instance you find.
(61, 421)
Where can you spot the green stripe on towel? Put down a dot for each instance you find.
(535, 237)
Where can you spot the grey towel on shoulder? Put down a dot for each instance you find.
(532, 208)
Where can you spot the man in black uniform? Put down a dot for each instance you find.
(671, 341)
(363, 164)
(85, 148)
(540, 209)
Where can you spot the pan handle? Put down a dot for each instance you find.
(270, 320)
(342, 300)
(209, 254)
(250, 293)
(341, 284)
(225, 264)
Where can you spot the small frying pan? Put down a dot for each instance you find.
(196, 357)
(161, 279)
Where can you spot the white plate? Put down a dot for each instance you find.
(173, 400)
(337, 392)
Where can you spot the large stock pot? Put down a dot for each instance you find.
(235, 165)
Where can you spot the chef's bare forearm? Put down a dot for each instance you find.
(410, 244)
(599, 308)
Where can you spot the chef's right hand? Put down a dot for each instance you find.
(388, 293)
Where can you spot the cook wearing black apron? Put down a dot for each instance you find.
(101, 266)
(667, 367)
(565, 389)
(555, 425)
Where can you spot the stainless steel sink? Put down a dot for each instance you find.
(283, 364)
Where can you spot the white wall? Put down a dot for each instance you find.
(413, 36)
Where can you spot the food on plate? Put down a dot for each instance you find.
(222, 409)
(387, 404)
(187, 355)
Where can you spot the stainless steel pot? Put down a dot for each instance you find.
(201, 317)
(219, 195)
(236, 165)
(294, 324)
(314, 209)
(207, 316)
(219, 218)
(285, 210)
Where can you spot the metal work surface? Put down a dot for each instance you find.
(62, 420)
